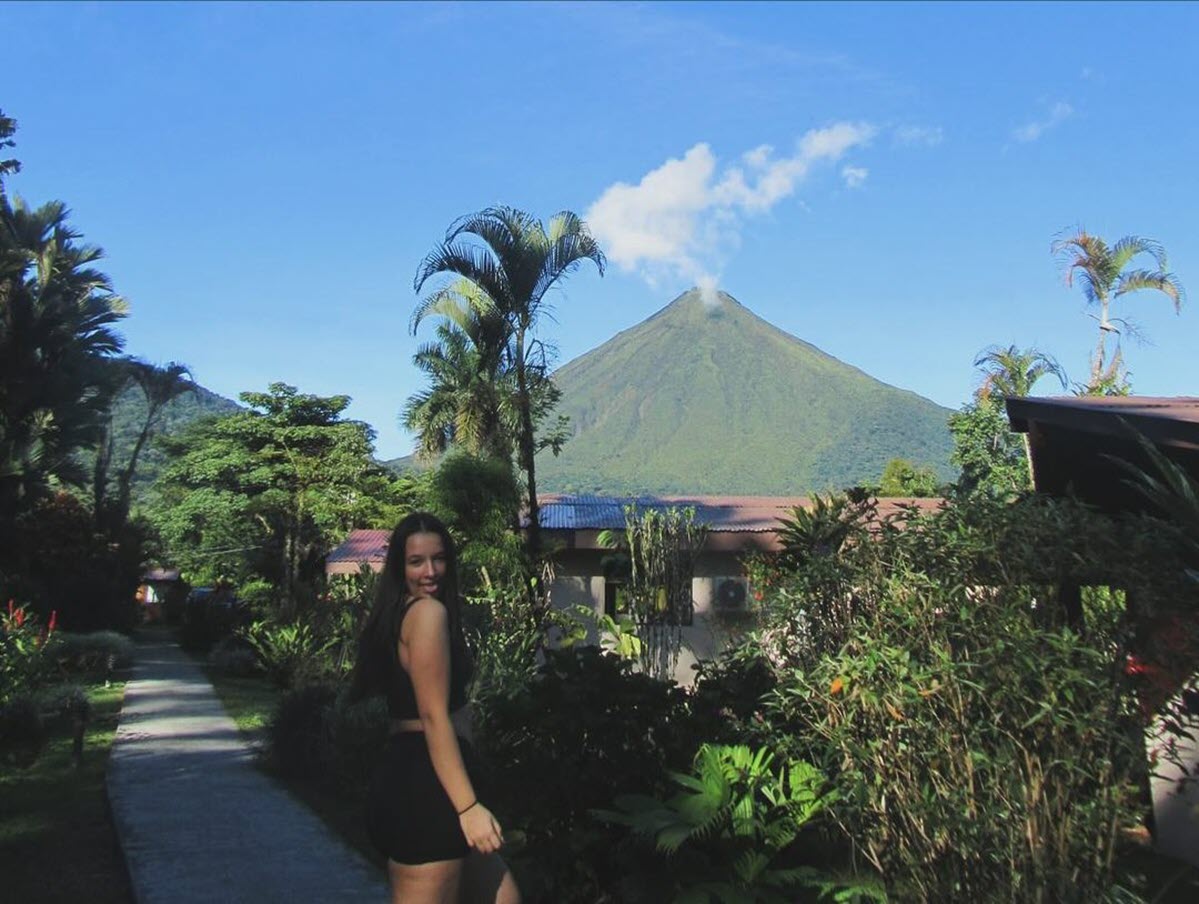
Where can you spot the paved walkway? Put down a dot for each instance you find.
(197, 821)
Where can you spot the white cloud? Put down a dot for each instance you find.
(1058, 113)
(854, 176)
(681, 216)
(919, 136)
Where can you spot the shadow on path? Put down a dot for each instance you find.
(197, 821)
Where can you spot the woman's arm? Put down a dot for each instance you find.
(425, 652)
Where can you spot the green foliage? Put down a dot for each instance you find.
(728, 828)
(902, 478)
(559, 744)
(265, 492)
(290, 654)
(981, 748)
(24, 663)
(502, 262)
(662, 548)
(479, 499)
(991, 456)
(742, 408)
(96, 653)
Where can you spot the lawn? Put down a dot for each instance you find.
(57, 841)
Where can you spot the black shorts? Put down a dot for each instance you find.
(409, 816)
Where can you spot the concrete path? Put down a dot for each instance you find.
(197, 821)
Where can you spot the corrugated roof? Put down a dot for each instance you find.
(361, 546)
(733, 514)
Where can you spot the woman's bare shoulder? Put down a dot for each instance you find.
(425, 612)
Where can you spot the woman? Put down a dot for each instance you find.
(423, 811)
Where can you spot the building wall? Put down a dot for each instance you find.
(579, 581)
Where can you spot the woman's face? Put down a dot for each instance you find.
(424, 564)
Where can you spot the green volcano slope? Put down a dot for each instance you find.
(712, 399)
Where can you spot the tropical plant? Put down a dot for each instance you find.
(290, 654)
(901, 477)
(663, 545)
(1104, 275)
(992, 458)
(8, 128)
(57, 318)
(728, 829)
(266, 491)
(1013, 372)
(504, 277)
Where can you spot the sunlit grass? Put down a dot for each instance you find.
(57, 841)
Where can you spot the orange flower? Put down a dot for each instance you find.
(837, 686)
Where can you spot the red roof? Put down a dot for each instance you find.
(369, 546)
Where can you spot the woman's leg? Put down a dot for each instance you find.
(486, 879)
(425, 883)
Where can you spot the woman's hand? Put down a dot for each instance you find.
(482, 831)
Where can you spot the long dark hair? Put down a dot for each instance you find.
(377, 657)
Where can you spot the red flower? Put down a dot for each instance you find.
(53, 621)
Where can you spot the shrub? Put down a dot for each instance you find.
(355, 734)
(290, 654)
(298, 734)
(24, 665)
(586, 724)
(979, 754)
(730, 832)
(97, 653)
(233, 656)
(22, 734)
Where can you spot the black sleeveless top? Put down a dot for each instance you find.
(401, 695)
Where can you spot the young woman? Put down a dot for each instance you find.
(424, 812)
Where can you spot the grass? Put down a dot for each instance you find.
(251, 702)
(57, 840)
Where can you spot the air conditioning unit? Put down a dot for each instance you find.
(730, 594)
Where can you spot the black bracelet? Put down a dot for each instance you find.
(474, 804)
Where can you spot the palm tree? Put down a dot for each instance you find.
(506, 275)
(1101, 270)
(1013, 372)
(468, 402)
(159, 385)
(57, 318)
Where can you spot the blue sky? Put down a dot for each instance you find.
(883, 181)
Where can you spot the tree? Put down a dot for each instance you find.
(1014, 371)
(265, 492)
(1103, 273)
(57, 318)
(992, 458)
(468, 402)
(506, 275)
(8, 128)
(902, 478)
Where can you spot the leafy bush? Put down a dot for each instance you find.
(233, 656)
(290, 654)
(24, 665)
(355, 734)
(22, 734)
(298, 734)
(99, 652)
(586, 724)
(730, 833)
(982, 748)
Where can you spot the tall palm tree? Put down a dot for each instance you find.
(1103, 273)
(57, 319)
(464, 404)
(505, 261)
(159, 385)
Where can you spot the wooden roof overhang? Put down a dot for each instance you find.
(1073, 440)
